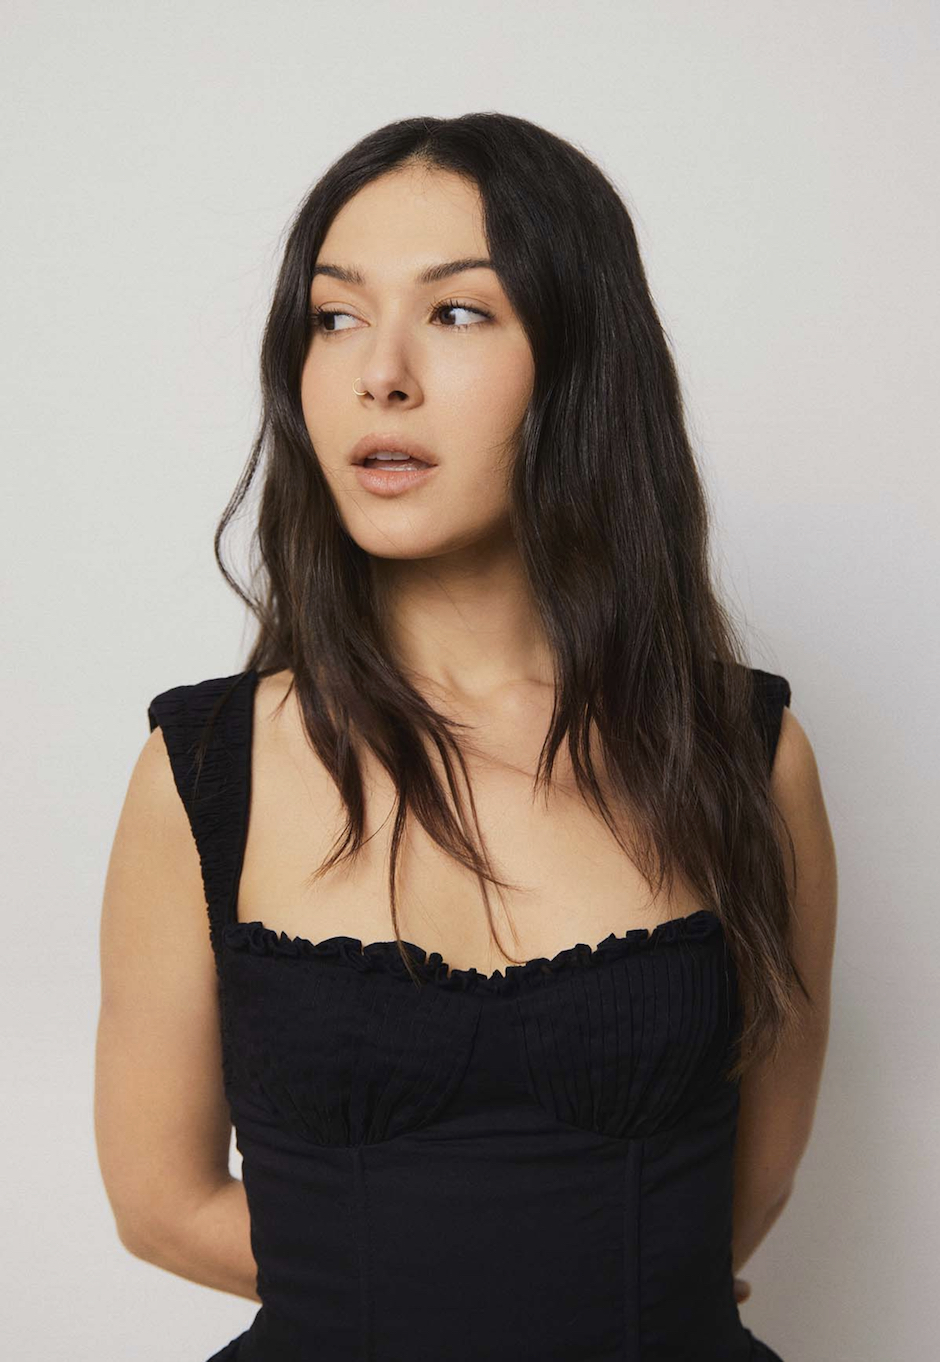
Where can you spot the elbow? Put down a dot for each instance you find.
(140, 1238)
(758, 1204)
(781, 1199)
(153, 1230)
(775, 1199)
(143, 1230)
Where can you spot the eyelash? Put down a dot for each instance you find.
(318, 313)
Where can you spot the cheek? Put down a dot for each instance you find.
(312, 391)
(474, 494)
(323, 408)
(493, 399)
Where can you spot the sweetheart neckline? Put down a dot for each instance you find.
(257, 938)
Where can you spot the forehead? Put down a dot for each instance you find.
(404, 226)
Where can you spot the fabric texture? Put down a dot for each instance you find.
(530, 1166)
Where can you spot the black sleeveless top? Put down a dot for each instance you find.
(530, 1166)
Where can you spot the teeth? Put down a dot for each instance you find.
(393, 456)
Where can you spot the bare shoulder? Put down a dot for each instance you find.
(795, 765)
(797, 789)
(153, 821)
(153, 894)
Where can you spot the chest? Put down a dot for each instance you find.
(568, 879)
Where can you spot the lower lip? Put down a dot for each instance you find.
(391, 480)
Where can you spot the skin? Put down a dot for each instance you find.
(460, 615)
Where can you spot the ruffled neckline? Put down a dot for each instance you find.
(384, 957)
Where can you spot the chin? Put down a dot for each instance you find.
(404, 554)
(417, 535)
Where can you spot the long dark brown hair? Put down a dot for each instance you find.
(611, 521)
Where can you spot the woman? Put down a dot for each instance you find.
(506, 1142)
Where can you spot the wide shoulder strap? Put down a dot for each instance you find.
(771, 697)
(207, 731)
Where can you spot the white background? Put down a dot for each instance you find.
(780, 163)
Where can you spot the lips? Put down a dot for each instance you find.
(391, 479)
(395, 444)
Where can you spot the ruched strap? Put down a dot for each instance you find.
(771, 697)
(215, 794)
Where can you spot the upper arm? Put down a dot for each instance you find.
(162, 1123)
(778, 1095)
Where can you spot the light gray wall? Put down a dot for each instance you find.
(780, 162)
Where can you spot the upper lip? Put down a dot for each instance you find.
(397, 444)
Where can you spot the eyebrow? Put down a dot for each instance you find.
(432, 275)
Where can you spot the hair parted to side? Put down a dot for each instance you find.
(611, 521)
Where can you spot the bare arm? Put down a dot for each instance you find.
(211, 1244)
(778, 1098)
(162, 1124)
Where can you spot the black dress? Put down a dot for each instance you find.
(530, 1166)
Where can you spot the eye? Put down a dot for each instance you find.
(453, 305)
(318, 316)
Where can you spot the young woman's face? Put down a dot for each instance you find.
(461, 393)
